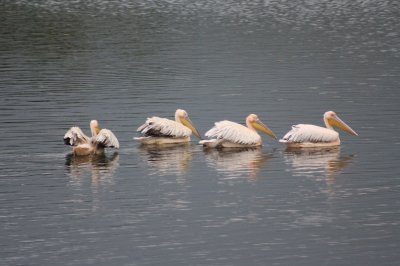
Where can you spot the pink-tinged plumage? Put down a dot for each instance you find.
(305, 135)
(157, 130)
(84, 145)
(230, 134)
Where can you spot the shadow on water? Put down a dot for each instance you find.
(167, 159)
(101, 168)
(235, 163)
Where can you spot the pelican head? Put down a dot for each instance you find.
(182, 117)
(332, 120)
(94, 127)
(252, 121)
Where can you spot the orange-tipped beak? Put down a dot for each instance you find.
(186, 122)
(337, 122)
(262, 127)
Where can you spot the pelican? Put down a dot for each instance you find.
(158, 130)
(304, 135)
(84, 145)
(227, 134)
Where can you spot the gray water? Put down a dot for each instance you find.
(63, 63)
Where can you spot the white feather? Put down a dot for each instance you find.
(156, 126)
(302, 133)
(234, 133)
(75, 136)
(106, 138)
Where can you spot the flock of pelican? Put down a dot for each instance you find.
(224, 134)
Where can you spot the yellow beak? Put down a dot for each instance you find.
(337, 122)
(187, 123)
(262, 127)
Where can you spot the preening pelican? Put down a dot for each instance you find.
(158, 130)
(84, 145)
(304, 135)
(227, 134)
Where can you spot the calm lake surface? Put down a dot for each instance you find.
(63, 63)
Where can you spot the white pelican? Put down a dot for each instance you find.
(304, 135)
(158, 130)
(83, 145)
(227, 134)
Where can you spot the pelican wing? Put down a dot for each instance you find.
(106, 138)
(309, 133)
(162, 127)
(233, 132)
(75, 137)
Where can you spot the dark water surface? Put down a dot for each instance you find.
(63, 63)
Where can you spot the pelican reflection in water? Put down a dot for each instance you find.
(318, 160)
(100, 167)
(167, 159)
(318, 163)
(236, 162)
